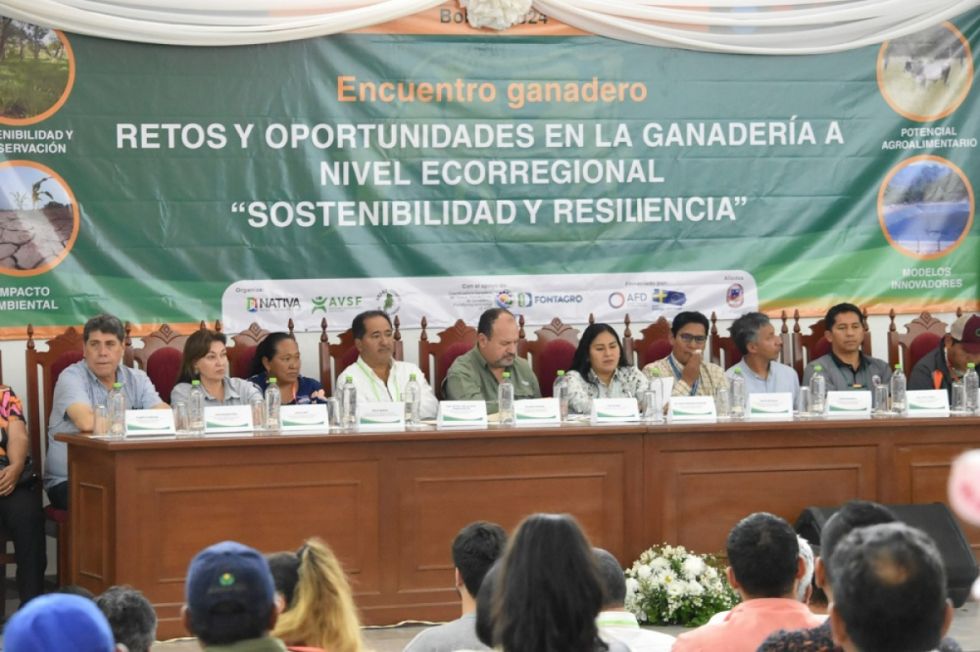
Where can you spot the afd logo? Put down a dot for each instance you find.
(271, 304)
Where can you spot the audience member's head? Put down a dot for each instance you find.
(851, 515)
(764, 557)
(322, 612)
(806, 554)
(475, 549)
(230, 596)
(485, 600)
(104, 344)
(58, 622)
(131, 617)
(75, 589)
(284, 567)
(548, 577)
(612, 577)
(889, 591)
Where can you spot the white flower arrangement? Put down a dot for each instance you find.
(496, 14)
(668, 585)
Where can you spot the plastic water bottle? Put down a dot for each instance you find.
(258, 411)
(970, 383)
(413, 401)
(195, 408)
(898, 384)
(818, 392)
(273, 400)
(505, 401)
(738, 394)
(560, 392)
(117, 411)
(348, 404)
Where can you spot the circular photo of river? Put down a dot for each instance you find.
(925, 207)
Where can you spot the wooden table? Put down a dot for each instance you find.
(390, 504)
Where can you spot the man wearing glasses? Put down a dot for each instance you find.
(692, 374)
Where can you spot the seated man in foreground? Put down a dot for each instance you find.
(890, 591)
(846, 367)
(475, 375)
(765, 569)
(475, 549)
(692, 374)
(615, 622)
(231, 600)
(377, 376)
(84, 385)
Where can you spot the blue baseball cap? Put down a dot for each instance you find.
(58, 622)
(229, 578)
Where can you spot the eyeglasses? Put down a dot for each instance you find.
(687, 338)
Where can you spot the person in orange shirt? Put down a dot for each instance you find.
(765, 570)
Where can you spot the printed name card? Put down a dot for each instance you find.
(776, 405)
(927, 403)
(312, 416)
(537, 412)
(849, 405)
(462, 414)
(149, 422)
(692, 409)
(227, 418)
(378, 416)
(615, 410)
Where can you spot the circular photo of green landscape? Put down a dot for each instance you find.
(37, 70)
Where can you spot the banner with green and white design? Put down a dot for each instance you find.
(440, 174)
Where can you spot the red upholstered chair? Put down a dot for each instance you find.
(652, 346)
(241, 349)
(922, 335)
(553, 350)
(812, 346)
(334, 358)
(43, 369)
(160, 357)
(439, 356)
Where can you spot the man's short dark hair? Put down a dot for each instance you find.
(745, 329)
(892, 589)
(688, 317)
(104, 323)
(831, 318)
(357, 326)
(764, 555)
(612, 578)
(852, 515)
(284, 567)
(488, 319)
(130, 616)
(475, 549)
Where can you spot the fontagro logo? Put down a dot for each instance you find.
(735, 296)
(271, 304)
(617, 300)
(525, 300)
(389, 301)
(504, 299)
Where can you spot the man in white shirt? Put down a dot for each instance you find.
(756, 338)
(378, 377)
(614, 621)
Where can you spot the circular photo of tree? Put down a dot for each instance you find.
(927, 75)
(37, 71)
(925, 207)
(38, 218)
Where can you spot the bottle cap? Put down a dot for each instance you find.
(195, 382)
(506, 374)
(737, 371)
(561, 372)
(273, 381)
(655, 373)
(349, 378)
(411, 376)
(818, 367)
(898, 365)
(970, 365)
(117, 385)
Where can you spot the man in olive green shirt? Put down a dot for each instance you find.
(476, 374)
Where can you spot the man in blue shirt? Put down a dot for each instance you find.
(84, 385)
(756, 338)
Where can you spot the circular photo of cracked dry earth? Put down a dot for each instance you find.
(38, 218)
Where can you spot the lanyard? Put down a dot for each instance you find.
(678, 374)
(375, 381)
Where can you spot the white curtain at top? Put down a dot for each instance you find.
(740, 26)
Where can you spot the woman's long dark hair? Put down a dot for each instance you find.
(267, 350)
(196, 347)
(549, 592)
(581, 362)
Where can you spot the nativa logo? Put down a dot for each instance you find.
(271, 304)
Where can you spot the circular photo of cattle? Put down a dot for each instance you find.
(925, 207)
(927, 75)
(38, 218)
(37, 70)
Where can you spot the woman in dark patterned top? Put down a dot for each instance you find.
(277, 356)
